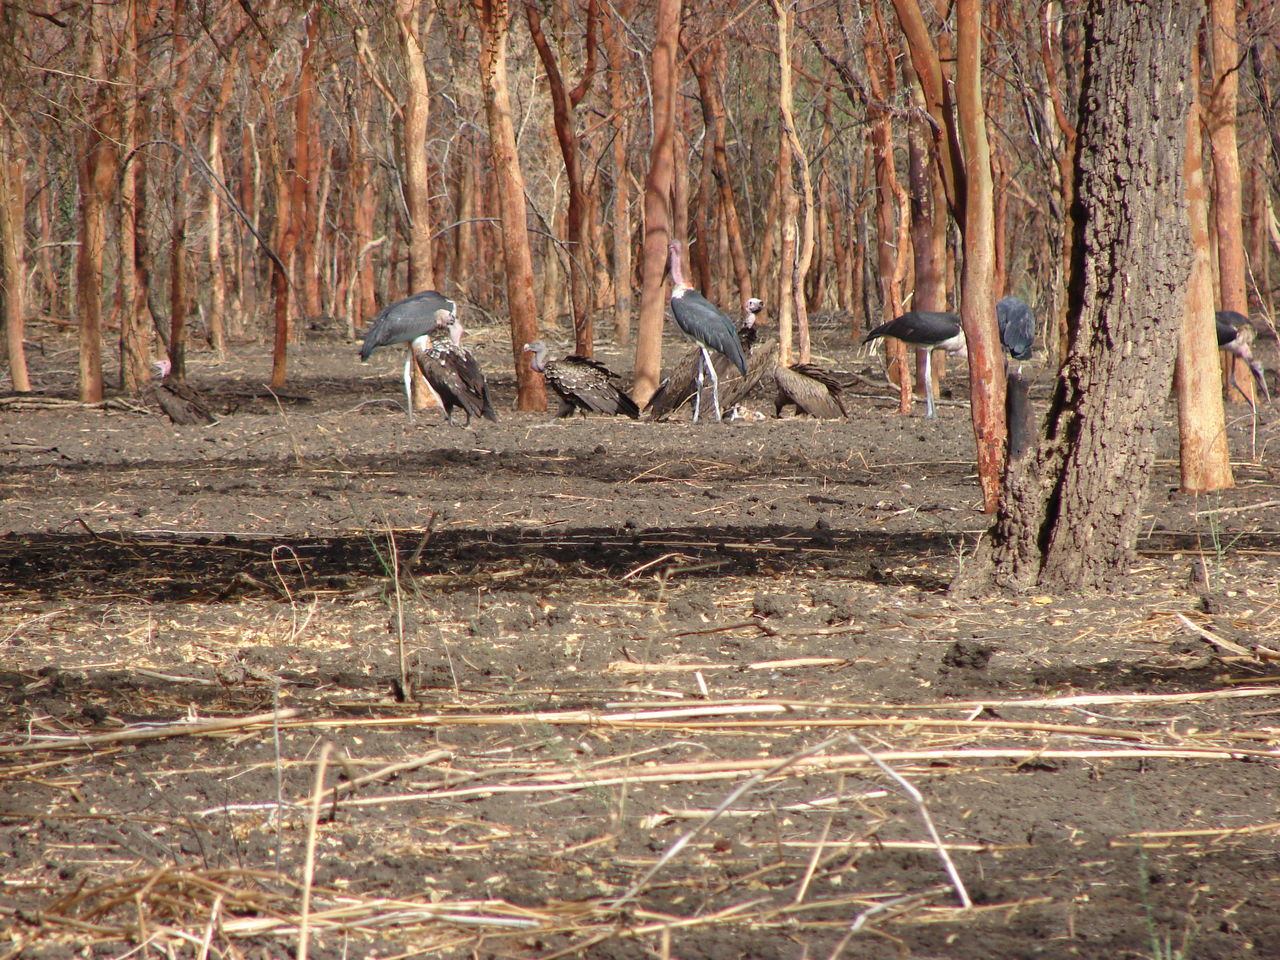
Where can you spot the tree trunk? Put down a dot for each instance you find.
(13, 255)
(657, 197)
(495, 20)
(178, 199)
(789, 205)
(135, 332)
(794, 268)
(1202, 434)
(562, 107)
(707, 68)
(1228, 207)
(937, 99)
(414, 139)
(97, 170)
(306, 175)
(417, 176)
(891, 256)
(977, 296)
(621, 240)
(1069, 516)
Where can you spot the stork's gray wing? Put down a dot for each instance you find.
(702, 322)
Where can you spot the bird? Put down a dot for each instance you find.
(581, 383)
(810, 389)
(928, 331)
(1235, 330)
(451, 370)
(680, 386)
(1017, 327)
(706, 326)
(405, 321)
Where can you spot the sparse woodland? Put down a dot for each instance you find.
(287, 674)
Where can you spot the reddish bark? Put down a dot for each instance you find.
(494, 17)
(657, 194)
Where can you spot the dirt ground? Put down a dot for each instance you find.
(314, 673)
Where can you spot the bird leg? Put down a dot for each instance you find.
(697, 390)
(715, 382)
(928, 384)
(408, 382)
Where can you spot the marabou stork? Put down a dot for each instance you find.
(707, 327)
(1235, 330)
(581, 384)
(928, 331)
(1017, 327)
(1017, 333)
(451, 370)
(811, 389)
(681, 385)
(406, 321)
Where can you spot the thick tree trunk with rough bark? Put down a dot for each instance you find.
(494, 17)
(1069, 514)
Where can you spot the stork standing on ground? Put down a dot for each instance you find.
(707, 327)
(406, 321)
(451, 370)
(1235, 330)
(681, 386)
(928, 331)
(581, 384)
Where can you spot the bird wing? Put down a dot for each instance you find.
(457, 381)
(589, 383)
(1017, 327)
(818, 396)
(404, 320)
(701, 321)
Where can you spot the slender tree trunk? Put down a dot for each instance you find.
(135, 331)
(417, 176)
(1202, 434)
(13, 255)
(621, 238)
(417, 111)
(178, 198)
(707, 68)
(1228, 206)
(306, 177)
(986, 357)
(657, 197)
(797, 269)
(563, 103)
(213, 214)
(937, 99)
(929, 220)
(97, 175)
(1069, 514)
(494, 17)
(789, 205)
(891, 256)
